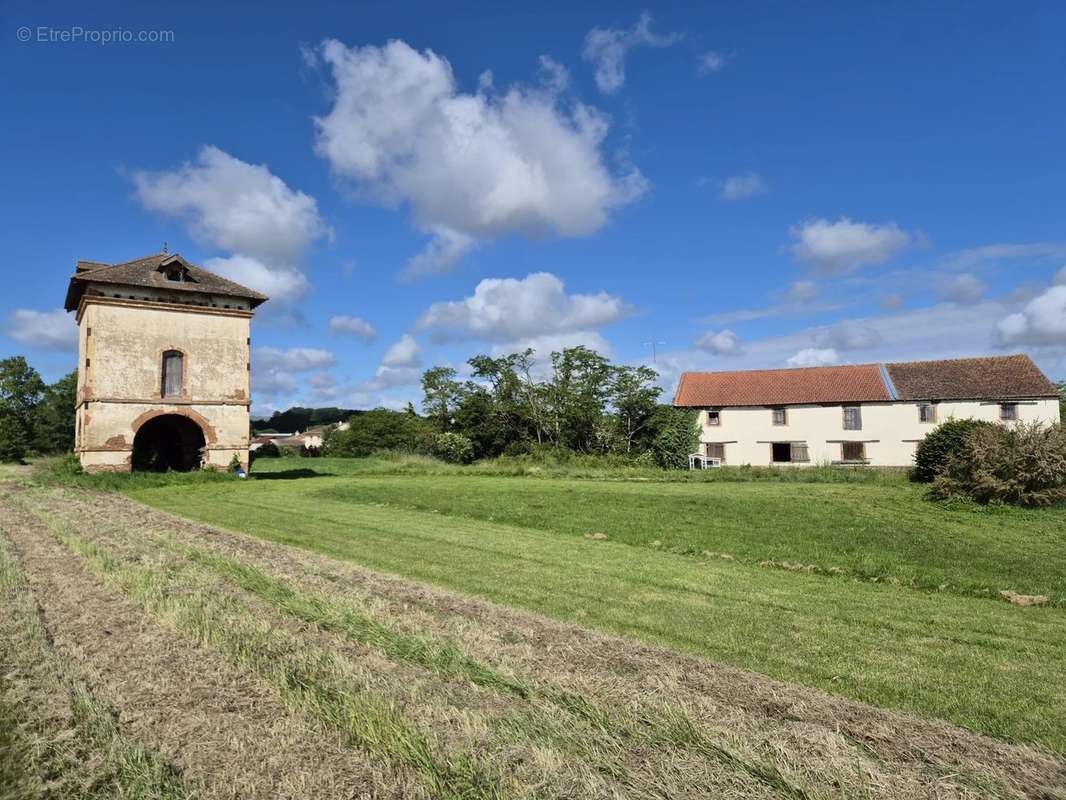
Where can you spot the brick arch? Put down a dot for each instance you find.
(210, 437)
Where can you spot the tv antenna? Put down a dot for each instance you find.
(654, 345)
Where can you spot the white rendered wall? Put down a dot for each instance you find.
(890, 430)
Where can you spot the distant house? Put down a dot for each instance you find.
(859, 414)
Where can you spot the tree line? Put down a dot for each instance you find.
(35, 417)
(575, 402)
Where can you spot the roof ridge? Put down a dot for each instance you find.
(777, 369)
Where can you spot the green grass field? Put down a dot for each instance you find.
(901, 610)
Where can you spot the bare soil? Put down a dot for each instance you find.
(232, 736)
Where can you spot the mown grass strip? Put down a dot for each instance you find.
(441, 657)
(93, 758)
(311, 680)
(670, 728)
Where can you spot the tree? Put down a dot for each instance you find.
(674, 434)
(633, 395)
(56, 415)
(1062, 401)
(576, 396)
(441, 396)
(21, 388)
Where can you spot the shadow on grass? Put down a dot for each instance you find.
(290, 475)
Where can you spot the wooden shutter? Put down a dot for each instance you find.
(799, 452)
(172, 369)
(852, 418)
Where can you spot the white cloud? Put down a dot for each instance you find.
(45, 330)
(606, 49)
(719, 342)
(470, 166)
(293, 359)
(272, 383)
(277, 283)
(508, 310)
(801, 292)
(741, 186)
(1041, 323)
(847, 335)
(711, 62)
(403, 353)
(324, 386)
(990, 253)
(965, 289)
(814, 357)
(352, 326)
(242, 208)
(556, 342)
(387, 377)
(836, 248)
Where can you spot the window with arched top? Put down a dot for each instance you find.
(173, 367)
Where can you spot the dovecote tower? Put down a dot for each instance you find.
(164, 362)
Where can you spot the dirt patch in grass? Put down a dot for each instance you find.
(838, 747)
(228, 734)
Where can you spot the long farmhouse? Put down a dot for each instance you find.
(857, 414)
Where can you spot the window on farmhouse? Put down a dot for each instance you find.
(173, 363)
(714, 418)
(1008, 411)
(853, 451)
(716, 451)
(788, 452)
(780, 416)
(852, 418)
(927, 412)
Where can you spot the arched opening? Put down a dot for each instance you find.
(168, 442)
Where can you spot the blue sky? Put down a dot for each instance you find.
(747, 185)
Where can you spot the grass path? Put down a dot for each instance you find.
(988, 666)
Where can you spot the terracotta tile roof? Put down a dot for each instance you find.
(771, 387)
(990, 378)
(149, 272)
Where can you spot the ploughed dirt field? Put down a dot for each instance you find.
(142, 655)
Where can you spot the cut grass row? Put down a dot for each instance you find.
(75, 749)
(988, 666)
(595, 734)
(670, 727)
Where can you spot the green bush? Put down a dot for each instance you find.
(675, 434)
(947, 440)
(1022, 465)
(380, 429)
(453, 448)
(268, 450)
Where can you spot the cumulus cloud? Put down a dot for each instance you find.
(324, 386)
(352, 326)
(814, 357)
(403, 353)
(1041, 323)
(279, 283)
(741, 186)
(387, 377)
(243, 208)
(509, 309)
(711, 62)
(556, 342)
(471, 167)
(45, 330)
(965, 289)
(606, 49)
(847, 335)
(294, 359)
(721, 343)
(837, 248)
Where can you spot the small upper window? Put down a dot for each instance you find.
(173, 367)
(780, 416)
(714, 418)
(927, 412)
(1008, 411)
(852, 418)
